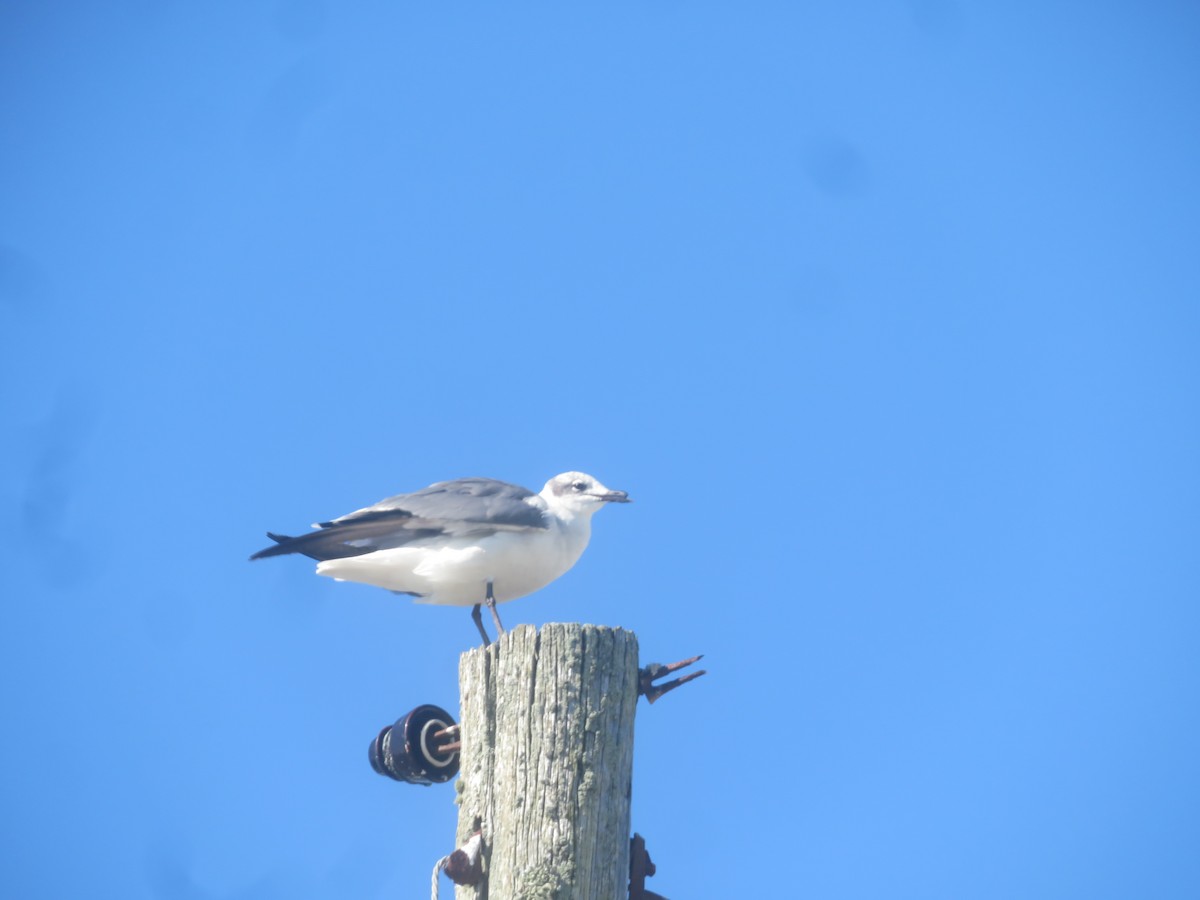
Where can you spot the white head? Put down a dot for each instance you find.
(578, 494)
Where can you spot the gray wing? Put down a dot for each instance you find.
(461, 508)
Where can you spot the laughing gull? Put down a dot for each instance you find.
(466, 542)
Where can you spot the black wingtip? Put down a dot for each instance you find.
(278, 550)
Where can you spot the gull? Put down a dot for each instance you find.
(467, 542)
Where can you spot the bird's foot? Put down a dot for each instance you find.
(477, 618)
(491, 605)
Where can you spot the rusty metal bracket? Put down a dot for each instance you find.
(647, 675)
(640, 868)
(465, 865)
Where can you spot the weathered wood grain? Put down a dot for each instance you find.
(547, 761)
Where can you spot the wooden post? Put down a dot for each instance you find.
(547, 761)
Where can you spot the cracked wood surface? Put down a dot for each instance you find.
(547, 761)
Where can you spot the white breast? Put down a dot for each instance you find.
(456, 572)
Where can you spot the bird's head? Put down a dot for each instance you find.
(580, 493)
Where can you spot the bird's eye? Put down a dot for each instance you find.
(579, 485)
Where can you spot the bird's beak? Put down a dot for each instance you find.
(613, 497)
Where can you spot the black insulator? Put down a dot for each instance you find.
(408, 750)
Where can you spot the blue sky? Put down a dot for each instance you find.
(886, 315)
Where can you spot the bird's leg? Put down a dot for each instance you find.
(491, 605)
(478, 619)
